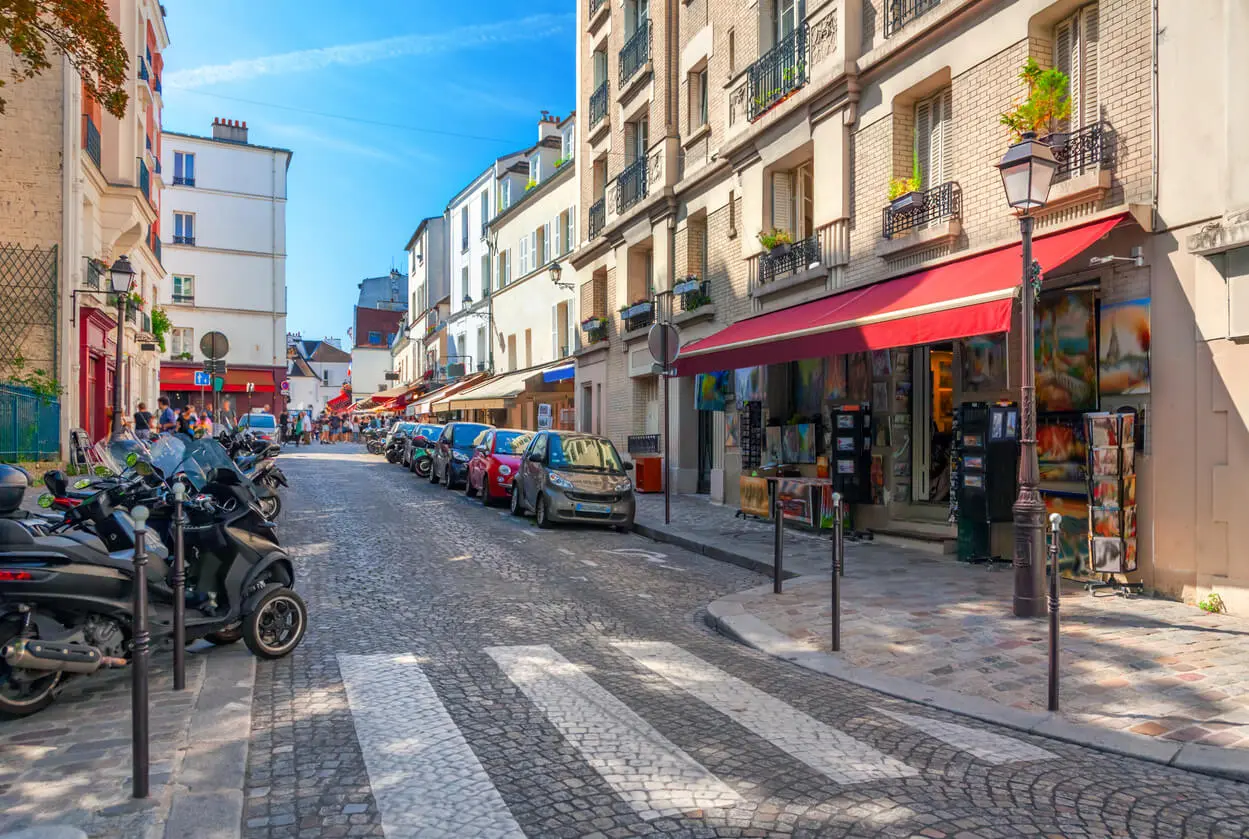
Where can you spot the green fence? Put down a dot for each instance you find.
(30, 426)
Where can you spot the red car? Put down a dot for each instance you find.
(495, 463)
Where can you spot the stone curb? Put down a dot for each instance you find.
(731, 619)
(656, 534)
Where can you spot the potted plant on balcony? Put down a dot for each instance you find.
(592, 323)
(777, 242)
(905, 194)
(530, 185)
(1046, 107)
(637, 307)
(689, 283)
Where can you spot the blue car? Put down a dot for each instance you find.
(454, 449)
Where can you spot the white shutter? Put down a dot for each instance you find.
(546, 243)
(1064, 60)
(533, 251)
(555, 331)
(524, 255)
(555, 250)
(945, 140)
(1089, 110)
(782, 194)
(923, 141)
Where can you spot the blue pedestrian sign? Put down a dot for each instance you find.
(201, 379)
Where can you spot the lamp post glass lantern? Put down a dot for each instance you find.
(120, 279)
(1027, 173)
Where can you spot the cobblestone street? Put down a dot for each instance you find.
(467, 674)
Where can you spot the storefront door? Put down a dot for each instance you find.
(705, 435)
(932, 422)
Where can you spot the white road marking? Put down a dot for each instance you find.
(820, 746)
(566, 552)
(425, 778)
(590, 563)
(983, 745)
(646, 769)
(640, 553)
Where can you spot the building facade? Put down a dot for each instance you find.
(430, 281)
(381, 311)
(224, 217)
(317, 372)
(84, 188)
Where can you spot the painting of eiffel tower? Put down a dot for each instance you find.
(1123, 363)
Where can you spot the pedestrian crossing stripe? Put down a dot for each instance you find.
(983, 745)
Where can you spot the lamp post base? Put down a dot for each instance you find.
(1029, 559)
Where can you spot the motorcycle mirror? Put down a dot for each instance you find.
(103, 471)
(45, 500)
(82, 483)
(143, 467)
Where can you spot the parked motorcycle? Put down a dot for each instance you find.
(422, 460)
(65, 599)
(13, 483)
(374, 441)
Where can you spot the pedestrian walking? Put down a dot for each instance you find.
(142, 422)
(299, 427)
(168, 420)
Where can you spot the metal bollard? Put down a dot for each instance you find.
(778, 554)
(1055, 522)
(139, 658)
(179, 590)
(839, 562)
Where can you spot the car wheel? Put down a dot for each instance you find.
(543, 513)
(433, 474)
(446, 477)
(469, 492)
(485, 491)
(517, 505)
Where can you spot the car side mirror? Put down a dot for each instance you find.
(535, 458)
(481, 450)
(628, 466)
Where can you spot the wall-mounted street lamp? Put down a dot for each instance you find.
(557, 271)
(120, 280)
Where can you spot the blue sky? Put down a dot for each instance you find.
(357, 188)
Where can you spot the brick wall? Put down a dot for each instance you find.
(726, 269)
(31, 137)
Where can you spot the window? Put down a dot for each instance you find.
(183, 289)
(702, 97)
(184, 228)
(375, 337)
(464, 228)
(636, 12)
(464, 292)
(1076, 54)
(600, 68)
(325, 377)
(485, 211)
(182, 340)
(390, 338)
(183, 169)
(635, 139)
(786, 16)
(535, 169)
(566, 144)
(485, 274)
(793, 195)
(505, 194)
(732, 53)
(697, 83)
(933, 140)
(528, 348)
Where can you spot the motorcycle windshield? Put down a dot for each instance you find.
(203, 458)
(168, 452)
(111, 451)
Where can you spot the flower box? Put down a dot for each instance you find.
(906, 202)
(592, 323)
(639, 308)
(688, 285)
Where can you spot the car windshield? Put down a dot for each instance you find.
(511, 442)
(403, 428)
(429, 432)
(590, 454)
(464, 435)
(261, 421)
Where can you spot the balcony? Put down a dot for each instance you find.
(154, 243)
(691, 294)
(598, 216)
(637, 316)
(787, 261)
(132, 315)
(184, 240)
(91, 139)
(94, 278)
(598, 104)
(635, 53)
(631, 185)
(596, 6)
(143, 75)
(1084, 151)
(182, 180)
(145, 180)
(184, 298)
(898, 13)
(775, 76)
(941, 203)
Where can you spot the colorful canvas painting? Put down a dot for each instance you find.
(1061, 450)
(880, 433)
(711, 391)
(772, 444)
(881, 366)
(878, 479)
(880, 397)
(858, 376)
(809, 386)
(732, 430)
(1123, 348)
(835, 378)
(798, 443)
(1066, 368)
(754, 496)
(984, 363)
(795, 500)
(748, 384)
(1073, 531)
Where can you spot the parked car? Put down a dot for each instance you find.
(413, 449)
(495, 462)
(566, 476)
(263, 426)
(456, 445)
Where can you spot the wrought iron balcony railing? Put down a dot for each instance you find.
(784, 261)
(184, 298)
(598, 104)
(95, 275)
(184, 240)
(145, 180)
(642, 443)
(637, 316)
(898, 13)
(598, 216)
(155, 243)
(142, 69)
(91, 139)
(636, 51)
(692, 294)
(1086, 150)
(778, 73)
(631, 185)
(183, 180)
(940, 202)
(595, 5)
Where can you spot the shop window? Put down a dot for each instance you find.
(1076, 46)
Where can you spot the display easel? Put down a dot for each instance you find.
(1112, 502)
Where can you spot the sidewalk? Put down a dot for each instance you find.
(1153, 678)
(70, 765)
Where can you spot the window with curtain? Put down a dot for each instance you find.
(1076, 54)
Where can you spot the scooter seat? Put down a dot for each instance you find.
(12, 533)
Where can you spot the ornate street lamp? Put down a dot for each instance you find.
(120, 280)
(1027, 173)
(557, 271)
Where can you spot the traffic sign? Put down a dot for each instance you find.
(201, 378)
(219, 383)
(214, 345)
(664, 341)
(285, 387)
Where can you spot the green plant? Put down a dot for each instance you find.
(532, 183)
(160, 326)
(1048, 102)
(1212, 603)
(901, 186)
(184, 356)
(560, 162)
(775, 238)
(41, 382)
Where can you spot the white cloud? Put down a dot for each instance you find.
(529, 28)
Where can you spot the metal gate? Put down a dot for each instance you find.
(29, 422)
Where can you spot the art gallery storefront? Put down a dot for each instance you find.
(904, 395)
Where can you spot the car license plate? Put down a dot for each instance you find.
(601, 509)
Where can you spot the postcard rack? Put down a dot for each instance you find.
(751, 419)
(1112, 501)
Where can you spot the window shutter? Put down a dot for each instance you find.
(555, 227)
(533, 252)
(782, 195)
(524, 254)
(923, 141)
(946, 171)
(546, 243)
(555, 331)
(1064, 54)
(1089, 110)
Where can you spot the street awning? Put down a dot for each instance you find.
(426, 404)
(972, 296)
(383, 397)
(560, 374)
(495, 393)
(183, 378)
(339, 401)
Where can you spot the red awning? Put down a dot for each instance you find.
(972, 296)
(183, 378)
(339, 401)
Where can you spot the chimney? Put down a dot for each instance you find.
(230, 130)
(548, 126)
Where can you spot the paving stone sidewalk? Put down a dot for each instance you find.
(1150, 667)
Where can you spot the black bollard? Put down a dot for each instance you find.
(139, 658)
(839, 561)
(1055, 522)
(778, 556)
(179, 590)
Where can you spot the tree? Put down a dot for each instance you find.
(82, 31)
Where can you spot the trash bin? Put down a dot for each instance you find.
(648, 475)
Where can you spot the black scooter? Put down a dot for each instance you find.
(65, 600)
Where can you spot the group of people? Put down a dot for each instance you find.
(302, 427)
(186, 420)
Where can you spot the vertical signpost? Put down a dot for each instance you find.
(664, 342)
(215, 348)
(139, 660)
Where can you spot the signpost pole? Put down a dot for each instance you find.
(664, 343)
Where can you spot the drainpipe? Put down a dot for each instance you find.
(1153, 123)
(63, 351)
